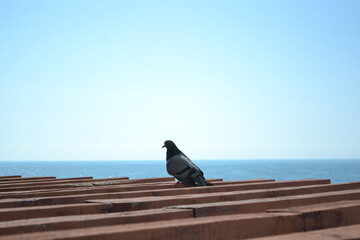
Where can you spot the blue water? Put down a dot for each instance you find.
(335, 170)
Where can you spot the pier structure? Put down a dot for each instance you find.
(44, 208)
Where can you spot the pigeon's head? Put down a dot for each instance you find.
(169, 144)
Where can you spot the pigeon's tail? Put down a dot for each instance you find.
(200, 180)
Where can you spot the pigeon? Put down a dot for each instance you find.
(182, 168)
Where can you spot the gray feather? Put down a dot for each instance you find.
(185, 170)
(182, 168)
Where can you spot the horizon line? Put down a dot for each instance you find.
(228, 159)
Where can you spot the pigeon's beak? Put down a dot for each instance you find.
(163, 146)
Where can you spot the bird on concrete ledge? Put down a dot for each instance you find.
(182, 168)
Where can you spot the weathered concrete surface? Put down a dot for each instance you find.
(314, 217)
(157, 208)
(61, 185)
(139, 203)
(91, 220)
(83, 183)
(12, 176)
(119, 188)
(339, 233)
(214, 191)
(7, 214)
(17, 182)
(326, 215)
(221, 227)
(260, 205)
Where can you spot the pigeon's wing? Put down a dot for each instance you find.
(183, 169)
(180, 166)
(193, 164)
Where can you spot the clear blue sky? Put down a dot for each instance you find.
(223, 79)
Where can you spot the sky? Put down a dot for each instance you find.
(112, 80)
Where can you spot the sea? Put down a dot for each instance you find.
(338, 171)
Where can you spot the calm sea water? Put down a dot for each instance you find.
(336, 170)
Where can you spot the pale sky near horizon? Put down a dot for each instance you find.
(85, 80)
